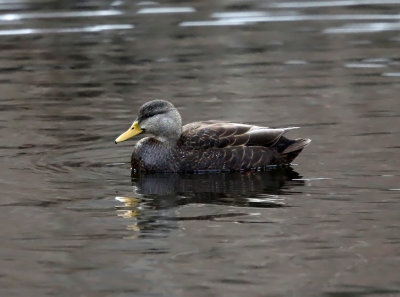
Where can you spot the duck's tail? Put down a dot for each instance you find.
(290, 149)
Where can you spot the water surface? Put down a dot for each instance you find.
(74, 221)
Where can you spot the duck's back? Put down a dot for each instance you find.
(218, 145)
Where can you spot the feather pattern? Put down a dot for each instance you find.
(209, 134)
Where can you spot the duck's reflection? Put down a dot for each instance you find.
(239, 189)
(158, 194)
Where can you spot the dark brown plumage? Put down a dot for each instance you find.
(205, 146)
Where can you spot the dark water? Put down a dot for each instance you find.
(75, 223)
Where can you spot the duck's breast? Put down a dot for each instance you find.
(150, 154)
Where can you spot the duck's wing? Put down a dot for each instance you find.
(219, 134)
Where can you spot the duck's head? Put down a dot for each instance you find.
(159, 118)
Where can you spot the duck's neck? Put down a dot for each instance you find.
(168, 140)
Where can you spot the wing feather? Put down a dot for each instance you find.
(219, 134)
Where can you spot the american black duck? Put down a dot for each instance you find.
(205, 146)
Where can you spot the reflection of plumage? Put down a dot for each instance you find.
(208, 145)
(211, 185)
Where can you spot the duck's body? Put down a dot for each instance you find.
(205, 146)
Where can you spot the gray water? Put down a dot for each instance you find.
(75, 223)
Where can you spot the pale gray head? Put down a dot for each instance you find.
(161, 119)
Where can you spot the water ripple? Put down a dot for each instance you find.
(235, 21)
(391, 74)
(364, 28)
(166, 10)
(364, 65)
(95, 28)
(314, 4)
(59, 14)
(239, 14)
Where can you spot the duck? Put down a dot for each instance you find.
(211, 145)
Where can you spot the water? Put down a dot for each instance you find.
(75, 223)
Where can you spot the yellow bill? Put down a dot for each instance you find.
(131, 132)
